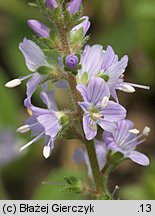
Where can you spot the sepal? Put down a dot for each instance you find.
(84, 78)
(44, 70)
(105, 77)
(116, 157)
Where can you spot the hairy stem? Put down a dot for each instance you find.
(77, 97)
(71, 78)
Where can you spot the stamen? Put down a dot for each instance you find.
(31, 142)
(139, 86)
(104, 102)
(146, 131)
(134, 131)
(25, 77)
(96, 115)
(126, 88)
(141, 141)
(46, 151)
(23, 129)
(16, 82)
(13, 83)
(58, 183)
(134, 139)
(29, 111)
(115, 190)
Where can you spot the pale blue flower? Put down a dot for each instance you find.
(34, 58)
(105, 64)
(98, 109)
(125, 140)
(43, 122)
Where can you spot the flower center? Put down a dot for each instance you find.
(94, 114)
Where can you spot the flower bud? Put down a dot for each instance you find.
(51, 4)
(74, 6)
(39, 28)
(71, 61)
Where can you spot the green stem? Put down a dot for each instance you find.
(95, 167)
(106, 172)
(109, 169)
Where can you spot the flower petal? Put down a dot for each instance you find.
(101, 152)
(123, 128)
(91, 60)
(35, 110)
(113, 112)
(33, 83)
(74, 6)
(90, 127)
(109, 58)
(48, 99)
(113, 93)
(79, 156)
(50, 123)
(116, 70)
(35, 127)
(97, 90)
(85, 24)
(33, 55)
(139, 158)
(85, 106)
(62, 84)
(107, 125)
(83, 90)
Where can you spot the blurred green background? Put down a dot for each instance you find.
(129, 27)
